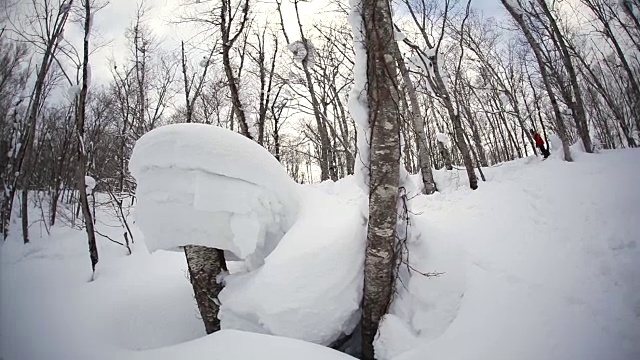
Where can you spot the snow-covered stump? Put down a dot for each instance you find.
(205, 265)
(206, 188)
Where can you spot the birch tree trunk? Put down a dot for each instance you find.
(384, 118)
(418, 124)
(205, 264)
(577, 106)
(82, 155)
(228, 39)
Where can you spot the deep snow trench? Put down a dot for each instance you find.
(542, 262)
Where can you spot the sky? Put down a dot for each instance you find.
(111, 22)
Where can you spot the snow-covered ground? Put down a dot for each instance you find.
(541, 262)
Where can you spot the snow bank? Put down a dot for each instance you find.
(537, 265)
(90, 183)
(140, 307)
(205, 185)
(310, 286)
(238, 345)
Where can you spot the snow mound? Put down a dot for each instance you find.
(444, 139)
(310, 286)
(238, 345)
(299, 51)
(205, 185)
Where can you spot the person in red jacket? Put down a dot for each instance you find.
(540, 143)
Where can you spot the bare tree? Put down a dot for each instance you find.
(190, 83)
(231, 28)
(518, 17)
(13, 82)
(266, 74)
(418, 125)
(43, 29)
(384, 163)
(606, 15)
(576, 103)
(431, 65)
(80, 132)
(205, 263)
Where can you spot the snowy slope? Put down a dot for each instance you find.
(140, 307)
(542, 262)
(238, 345)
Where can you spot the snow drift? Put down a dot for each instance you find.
(303, 247)
(205, 185)
(238, 345)
(542, 262)
(311, 285)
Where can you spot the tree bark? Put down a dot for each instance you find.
(227, 44)
(325, 143)
(384, 118)
(205, 265)
(418, 124)
(577, 106)
(27, 158)
(82, 155)
(562, 129)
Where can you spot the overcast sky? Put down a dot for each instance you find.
(111, 22)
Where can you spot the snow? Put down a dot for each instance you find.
(141, 306)
(90, 183)
(204, 185)
(555, 146)
(444, 139)
(536, 265)
(417, 63)
(320, 259)
(357, 104)
(88, 80)
(238, 345)
(90, 24)
(542, 263)
(430, 53)
(299, 51)
(73, 91)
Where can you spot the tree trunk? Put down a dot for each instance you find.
(82, 155)
(227, 43)
(205, 265)
(562, 129)
(325, 143)
(418, 124)
(577, 106)
(384, 168)
(475, 134)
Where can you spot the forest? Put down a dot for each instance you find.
(371, 88)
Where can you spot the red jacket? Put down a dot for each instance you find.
(538, 139)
